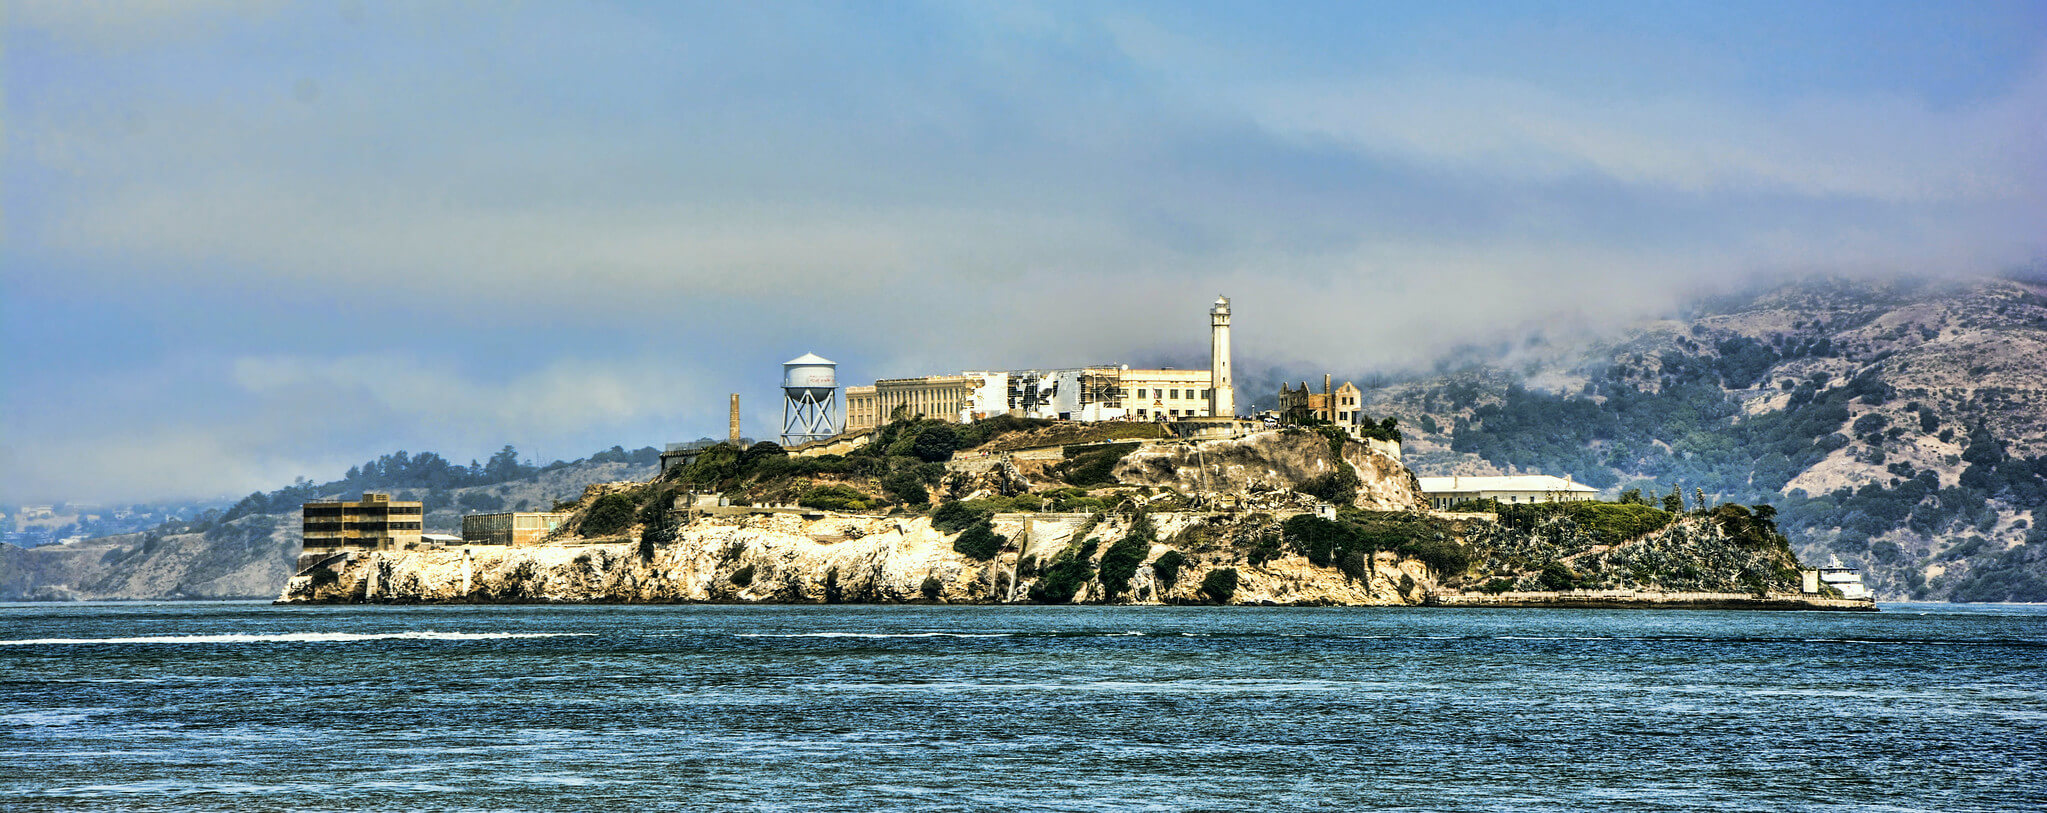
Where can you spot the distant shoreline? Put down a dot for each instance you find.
(1649, 601)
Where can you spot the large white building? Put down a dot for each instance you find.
(1444, 492)
(1100, 393)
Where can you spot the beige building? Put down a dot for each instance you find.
(861, 407)
(940, 397)
(1149, 395)
(510, 527)
(375, 523)
(1340, 405)
(1443, 492)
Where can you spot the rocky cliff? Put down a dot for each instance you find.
(1270, 545)
(1185, 557)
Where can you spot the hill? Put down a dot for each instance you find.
(1898, 425)
(247, 550)
(1297, 516)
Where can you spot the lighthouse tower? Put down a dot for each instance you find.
(1222, 396)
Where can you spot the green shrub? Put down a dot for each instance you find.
(935, 443)
(611, 514)
(1071, 570)
(1167, 568)
(1444, 556)
(1356, 565)
(1498, 586)
(1264, 548)
(953, 517)
(834, 498)
(1120, 561)
(931, 587)
(1093, 467)
(1555, 576)
(1220, 585)
(905, 486)
(1339, 487)
(979, 541)
(743, 576)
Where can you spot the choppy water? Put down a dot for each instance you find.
(251, 707)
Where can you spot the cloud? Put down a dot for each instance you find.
(266, 419)
(1885, 148)
(451, 227)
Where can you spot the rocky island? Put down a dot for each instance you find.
(1023, 511)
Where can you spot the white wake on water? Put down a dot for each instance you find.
(298, 637)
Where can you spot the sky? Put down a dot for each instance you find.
(246, 241)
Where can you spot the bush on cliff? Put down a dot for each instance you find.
(1167, 568)
(834, 498)
(1071, 570)
(611, 514)
(1120, 561)
(1339, 487)
(1220, 585)
(1606, 523)
(1444, 556)
(1092, 465)
(905, 486)
(979, 541)
(953, 517)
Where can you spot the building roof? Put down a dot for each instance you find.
(1512, 482)
(810, 359)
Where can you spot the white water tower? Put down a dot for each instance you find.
(810, 399)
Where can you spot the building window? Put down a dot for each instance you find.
(1206, 394)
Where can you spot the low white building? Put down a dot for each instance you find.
(1511, 489)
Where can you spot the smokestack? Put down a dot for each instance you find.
(1325, 383)
(732, 428)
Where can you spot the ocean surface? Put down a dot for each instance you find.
(241, 706)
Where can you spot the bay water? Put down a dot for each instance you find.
(246, 706)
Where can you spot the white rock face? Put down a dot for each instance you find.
(786, 559)
(1273, 461)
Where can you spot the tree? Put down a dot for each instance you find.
(612, 513)
(1220, 584)
(1166, 568)
(1674, 502)
(904, 486)
(935, 444)
(1699, 499)
(1120, 561)
(503, 466)
(759, 451)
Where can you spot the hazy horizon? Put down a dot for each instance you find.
(247, 242)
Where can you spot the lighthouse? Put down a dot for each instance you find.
(1222, 396)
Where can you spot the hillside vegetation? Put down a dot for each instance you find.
(1900, 426)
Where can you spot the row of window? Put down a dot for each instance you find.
(337, 527)
(1139, 392)
(1172, 413)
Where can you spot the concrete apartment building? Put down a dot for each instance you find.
(376, 522)
(510, 527)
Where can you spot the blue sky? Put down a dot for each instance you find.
(251, 241)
